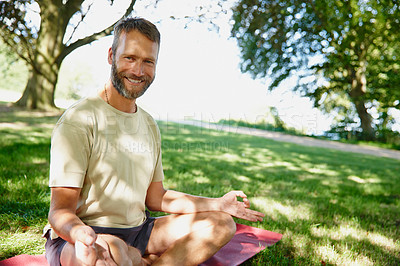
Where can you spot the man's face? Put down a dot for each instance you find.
(133, 65)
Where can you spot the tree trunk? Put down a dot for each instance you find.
(39, 92)
(368, 132)
(357, 93)
(46, 58)
(46, 53)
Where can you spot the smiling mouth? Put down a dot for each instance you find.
(134, 81)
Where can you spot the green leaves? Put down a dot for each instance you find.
(358, 42)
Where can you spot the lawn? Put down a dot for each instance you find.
(331, 207)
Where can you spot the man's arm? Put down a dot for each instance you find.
(160, 199)
(63, 220)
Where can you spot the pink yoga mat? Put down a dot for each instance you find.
(247, 242)
(28, 260)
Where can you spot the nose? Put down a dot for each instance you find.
(138, 68)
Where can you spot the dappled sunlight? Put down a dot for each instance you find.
(331, 182)
(363, 181)
(273, 209)
(39, 160)
(320, 170)
(243, 178)
(331, 207)
(21, 242)
(32, 126)
(33, 135)
(370, 186)
(229, 157)
(331, 254)
(260, 154)
(202, 180)
(351, 229)
(275, 164)
(13, 125)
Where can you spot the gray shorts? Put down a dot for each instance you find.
(137, 237)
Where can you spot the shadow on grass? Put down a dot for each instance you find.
(25, 198)
(23, 184)
(24, 167)
(331, 206)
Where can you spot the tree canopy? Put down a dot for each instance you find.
(345, 53)
(43, 47)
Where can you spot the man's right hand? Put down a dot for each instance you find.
(91, 250)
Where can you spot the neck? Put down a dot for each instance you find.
(113, 98)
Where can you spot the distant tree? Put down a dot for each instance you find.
(44, 47)
(352, 44)
(12, 70)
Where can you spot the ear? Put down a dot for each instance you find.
(110, 56)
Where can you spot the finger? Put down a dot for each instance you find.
(101, 255)
(104, 251)
(254, 216)
(110, 262)
(100, 263)
(240, 193)
(88, 240)
(86, 235)
(256, 213)
(108, 259)
(80, 249)
(87, 255)
(246, 203)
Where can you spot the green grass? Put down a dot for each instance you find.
(331, 207)
(24, 166)
(390, 143)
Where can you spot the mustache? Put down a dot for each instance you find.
(132, 76)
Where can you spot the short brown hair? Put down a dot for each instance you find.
(142, 25)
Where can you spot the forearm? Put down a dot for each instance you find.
(65, 224)
(180, 203)
(160, 199)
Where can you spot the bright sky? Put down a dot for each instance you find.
(198, 74)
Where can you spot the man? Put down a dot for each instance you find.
(106, 169)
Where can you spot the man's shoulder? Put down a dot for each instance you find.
(151, 122)
(80, 111)
(148, 117)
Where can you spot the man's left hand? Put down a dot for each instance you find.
(239, 209)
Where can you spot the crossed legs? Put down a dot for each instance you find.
(190, 239)
(187, 239)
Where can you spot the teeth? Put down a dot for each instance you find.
(134, 80)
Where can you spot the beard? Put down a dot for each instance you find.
(117, 79)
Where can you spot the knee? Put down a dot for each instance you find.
(120, 251)
(223, 225)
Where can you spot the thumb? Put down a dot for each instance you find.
(86, 255)
(240, 194)
(87, 237)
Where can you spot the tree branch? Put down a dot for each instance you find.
(83, 15)
(26, 57)
(68, 49)
(9, 39)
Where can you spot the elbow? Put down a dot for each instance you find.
(153, 207)
(50, 216)
(155, 198)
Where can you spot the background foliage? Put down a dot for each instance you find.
(352, 45)
(332, 207)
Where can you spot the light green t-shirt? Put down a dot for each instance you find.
(113, 156)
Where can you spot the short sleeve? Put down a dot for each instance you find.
(69, 156)
(158, 174)
(158, 171)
